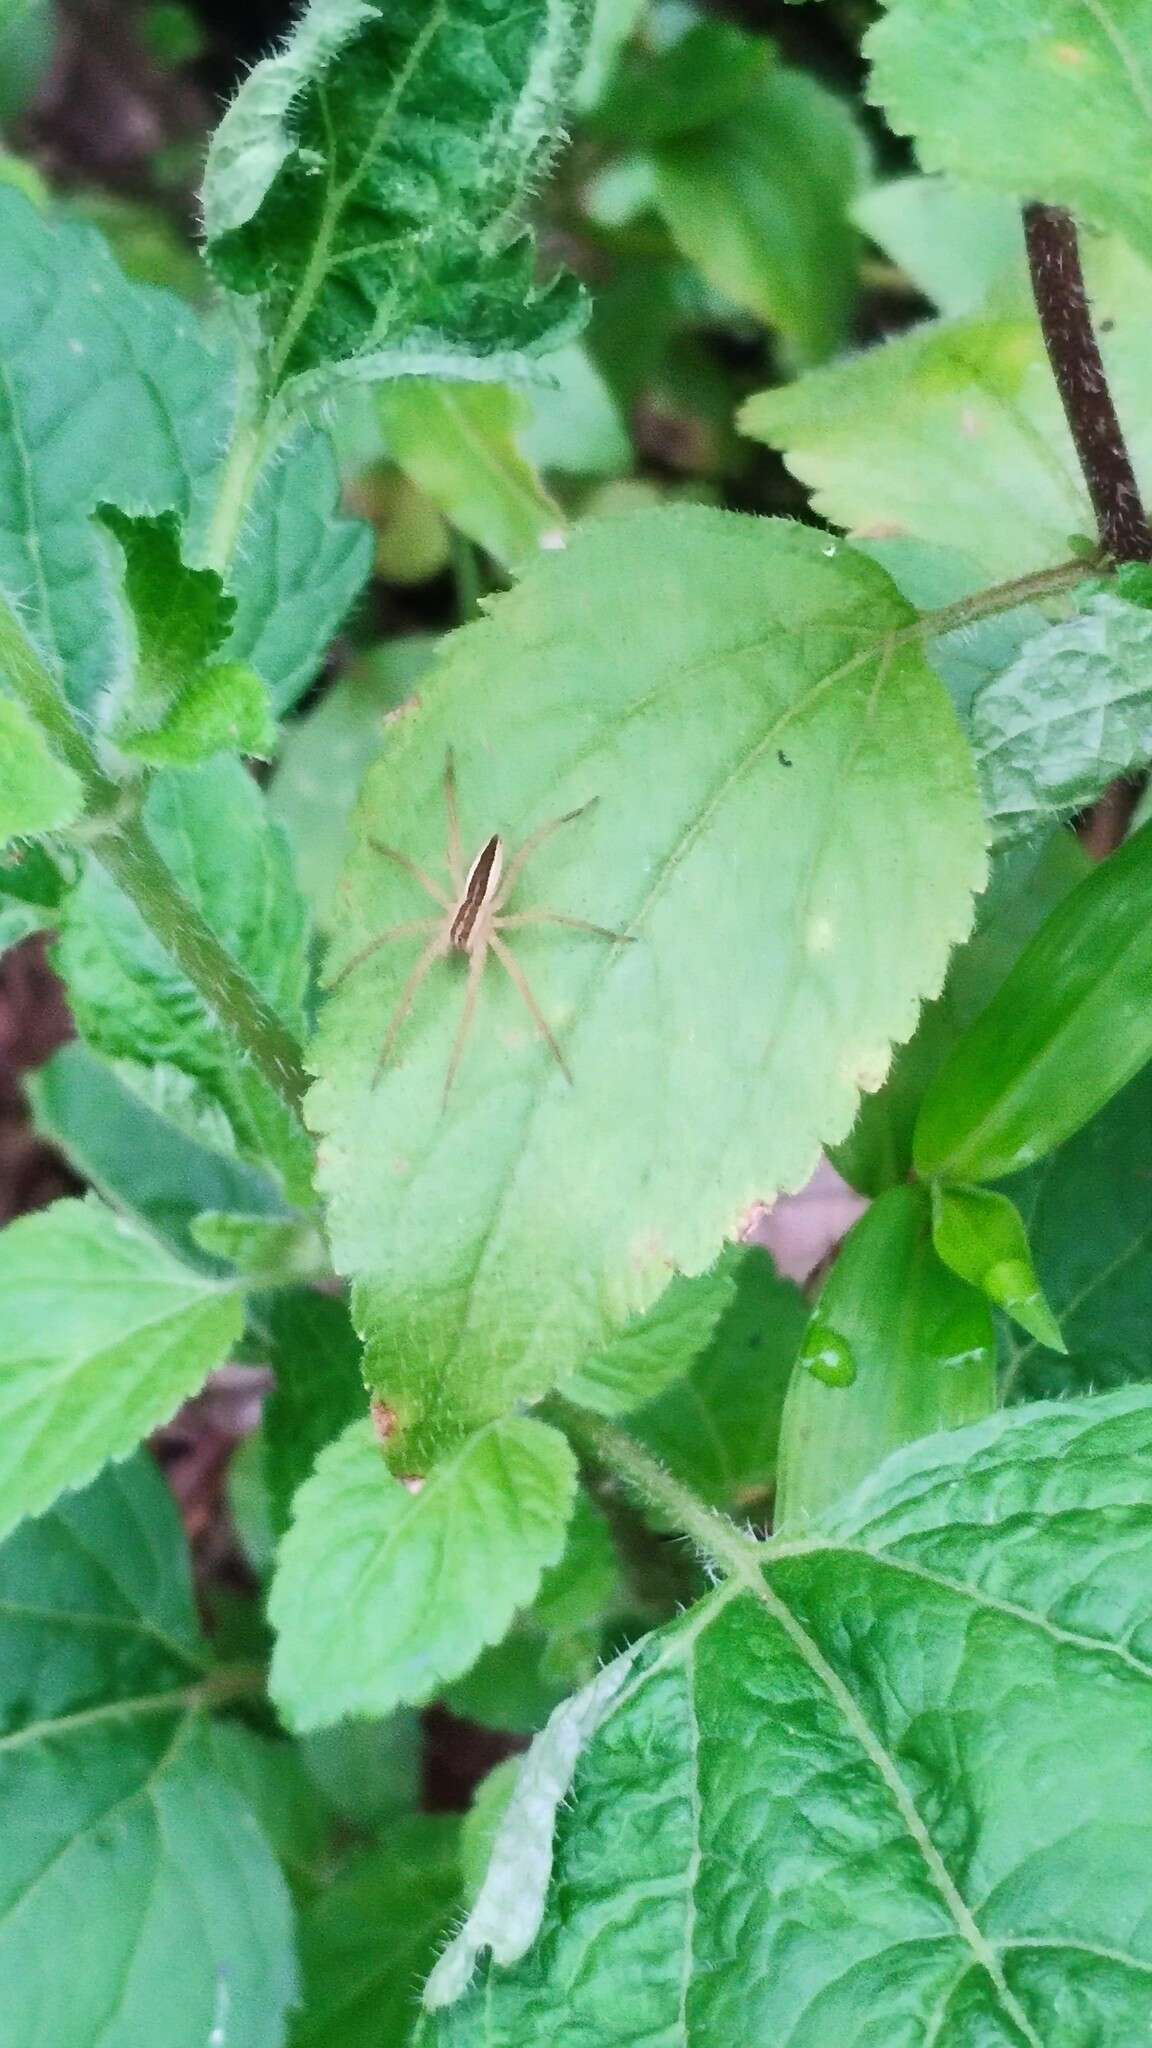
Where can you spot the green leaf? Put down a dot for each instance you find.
(819, 733)
(1046, 99)
(717, 1428)
(1088, 1211)
(380, 1594)
(459, 443)
(130, 999)
(27, 38)
(268, 1251)
(481, 1822)
(367, 1772)
(138, 1159)
(896, 1779)
(177, 703)
(612, 23)
(700, 79)
(104, 1335)
(362, 183)
(315, 1354)
(955, 243)
(111, 394)
(367, 1942)
(897, 1347)
(38, 793)
(975, 452)
(574, 426)
(1071, 713)
(326, 754)
(32, 888)
(127, 1847)
(1026, 882)
(760, 202)
(981, 1236)
(1068, 1027)
(660, 1345)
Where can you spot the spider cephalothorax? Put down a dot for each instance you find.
(471, 921)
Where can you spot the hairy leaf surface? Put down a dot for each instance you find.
(817, 1793)
(361, 184)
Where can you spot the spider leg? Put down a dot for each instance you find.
(535, 840)
(519, 980)
(467, 1013)
(455, 856)
(429, 887)
(433, 951)
(396, 931)
(575, 924)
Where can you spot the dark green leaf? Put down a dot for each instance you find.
(1088, 1209)
(129, 1854)
(717, 1428)
(315, 1354)
(1069, 1026)
(136, 1157)
(704, 76)
(895, 1785)
(361, 185)
(365, 1945)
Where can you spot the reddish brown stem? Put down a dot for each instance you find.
(1074, 353)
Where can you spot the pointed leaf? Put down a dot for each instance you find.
(104, 1335)
(717, 1428)
(1046, 99)
(1088, 1212)
(361, 184)
(128, 1847)
(381, 1594)
(896, 1779)
(38, 793)
(981, 1236)
(706, 1071)
(1069, 1026)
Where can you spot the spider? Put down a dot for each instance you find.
(470, 923)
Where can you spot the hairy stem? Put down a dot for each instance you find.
(1077, 365)
(123, 848)
(719, 1540)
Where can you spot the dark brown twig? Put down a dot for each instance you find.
(1074, 353)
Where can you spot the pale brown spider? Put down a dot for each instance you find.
(471, 922)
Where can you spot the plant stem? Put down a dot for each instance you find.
(1000, 597)
(245, 460)
(123, 848)
(718, 1539)
(1077, 365)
